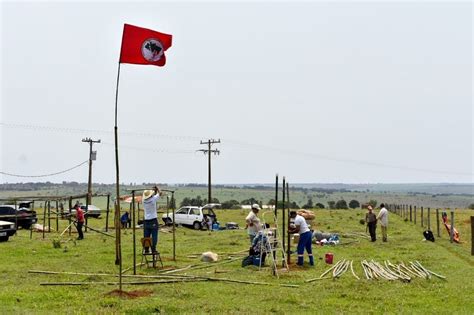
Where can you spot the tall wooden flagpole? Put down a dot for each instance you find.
(118, 246)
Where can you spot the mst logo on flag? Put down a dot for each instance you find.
(152, 50)
(143, 46)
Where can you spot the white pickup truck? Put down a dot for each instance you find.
(7, 229)
(192, 216)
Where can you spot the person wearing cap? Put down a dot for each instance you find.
(383, 218)
(79, 221)
(301, 227)
(150, 225)
(253, 222)
(371, 220)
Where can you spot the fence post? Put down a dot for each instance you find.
(107, 214)
(410, 215)
(422, 216)
(437, 221)
(429, 218)
(472, 235)
(451, 234)
(414, 209)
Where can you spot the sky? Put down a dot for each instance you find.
(319, 92)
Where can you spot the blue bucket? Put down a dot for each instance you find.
(256, 260)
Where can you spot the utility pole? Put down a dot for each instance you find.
(208, 151)
(92, 157)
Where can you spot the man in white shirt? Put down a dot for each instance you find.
(301, 227)
(382, 217)
(150, 225)
(253, 222)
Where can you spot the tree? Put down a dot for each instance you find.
(249, 201)
(309, 204)
(294, 205)
(214, 200)
(354, 204)
(341, 204)
(471, 206)
(319, 206)
(230, 204)
(331, 204)
(373, 203)
(185, 202)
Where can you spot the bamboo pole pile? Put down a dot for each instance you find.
(391, 272)
(374, 270)
(337, 271)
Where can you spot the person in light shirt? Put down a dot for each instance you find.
(301, 227)
(253, 222)
(382, 217)
(150, 225)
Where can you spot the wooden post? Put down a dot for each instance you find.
(107, 214)
(451, 234)
(472, 235)
(16, 218)
(283, 239)
(49, 216)
(288, 240)
(414, 210)
(429, 218)
(422, 217)
(57, 218)
(133, 232)
(276, 196)
(174, 225)
(411, 217)
(86, 216)
(437, 221)
(276, 213)
(31, 228)
(69, 216)
(44, 218)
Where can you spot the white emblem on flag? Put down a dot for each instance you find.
(152, 50)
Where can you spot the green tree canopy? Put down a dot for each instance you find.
(341, 204)
(354, 204)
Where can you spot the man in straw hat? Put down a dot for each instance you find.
(371, 220)
(150, 225)
(253, 222)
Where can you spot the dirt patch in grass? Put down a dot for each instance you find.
(130, 295)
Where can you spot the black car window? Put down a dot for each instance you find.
(7, 210)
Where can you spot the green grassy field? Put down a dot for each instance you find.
(21, 291)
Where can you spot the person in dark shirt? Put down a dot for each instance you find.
(371, 220)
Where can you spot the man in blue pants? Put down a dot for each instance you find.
(301, 227)
(150, 226)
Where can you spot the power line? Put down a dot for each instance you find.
(98, 131)
(238, 143)
(45, 175)
(343, 160)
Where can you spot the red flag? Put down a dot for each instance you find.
(143, 46)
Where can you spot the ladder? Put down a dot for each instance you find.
(271, 244)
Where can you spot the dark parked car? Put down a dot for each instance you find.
(7, 229)
(23, 216)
